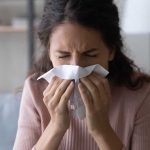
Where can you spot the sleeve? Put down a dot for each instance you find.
(29, 128)
(141, 133)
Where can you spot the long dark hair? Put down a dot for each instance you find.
(101, 15)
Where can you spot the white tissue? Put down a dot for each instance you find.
(73, 72)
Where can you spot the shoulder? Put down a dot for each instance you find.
(33, 94)
(128, 105)
(33, 90)
(34, 85)
(129, 99)
(139, 91)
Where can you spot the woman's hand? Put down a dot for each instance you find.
(56, 97)
(95, 93)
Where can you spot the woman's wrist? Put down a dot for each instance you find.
(57, 129)
(50, 139)
(107, 139)
(56, 133)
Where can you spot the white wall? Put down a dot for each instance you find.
(13, 60)
(139, 50)
(14, 45)
(138, 45)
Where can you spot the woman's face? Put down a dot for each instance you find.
(73, 44)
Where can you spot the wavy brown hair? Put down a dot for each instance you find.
(101, 15)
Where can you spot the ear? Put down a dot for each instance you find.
(111, 54)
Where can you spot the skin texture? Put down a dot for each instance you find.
(73, 44)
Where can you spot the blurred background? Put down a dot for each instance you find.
(19, 46)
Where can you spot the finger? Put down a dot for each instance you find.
(97, 91)
(66, 96)
(50, 85)
(59, 92)
(96, 79)
(87, 99)
(103, 86)
(91, 88)
(50, 91)
(100, 82)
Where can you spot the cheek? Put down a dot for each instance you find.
(103, 61)
(56, 62)
(53, 59)
(104, 64)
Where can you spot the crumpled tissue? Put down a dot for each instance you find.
(73, 72)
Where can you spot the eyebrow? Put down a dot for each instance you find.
(91, 50)
(62, 51)
(86, 51)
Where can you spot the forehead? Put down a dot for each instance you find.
(75, 36)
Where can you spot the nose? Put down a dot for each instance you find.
(76, 60)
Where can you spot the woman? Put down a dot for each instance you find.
(84, 33)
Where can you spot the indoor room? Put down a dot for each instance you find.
(24, 39)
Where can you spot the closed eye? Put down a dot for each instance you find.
(64, 56)
(91, 52)
(91, 55)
